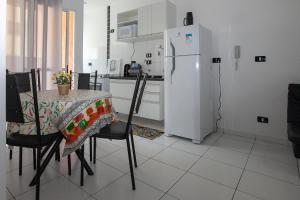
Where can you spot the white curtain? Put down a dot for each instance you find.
(34, 36)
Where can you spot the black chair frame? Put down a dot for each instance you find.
(128, 135)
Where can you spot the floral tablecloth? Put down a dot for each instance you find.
(77, 115)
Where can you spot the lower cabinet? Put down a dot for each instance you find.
(152, 102)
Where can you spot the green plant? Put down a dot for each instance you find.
(62, 78)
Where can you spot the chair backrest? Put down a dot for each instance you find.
(23, 80)
(14, 112)
(137, 97)
(293, 111)
(84, 81)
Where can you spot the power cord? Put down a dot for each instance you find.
(220, 100)
(133, 47)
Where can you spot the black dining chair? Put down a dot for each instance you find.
(23, 84)
(14, 113)
(123, 130)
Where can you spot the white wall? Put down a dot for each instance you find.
(3, 157)
(94, 36)
(270, 28)
(77, 6)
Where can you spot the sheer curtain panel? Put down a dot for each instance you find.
(34, 36)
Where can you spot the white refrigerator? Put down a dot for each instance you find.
(189, 110)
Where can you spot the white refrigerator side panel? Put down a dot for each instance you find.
(207, 102)
(182, 97)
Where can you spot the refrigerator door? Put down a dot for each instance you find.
(185, 40)
(182, 96)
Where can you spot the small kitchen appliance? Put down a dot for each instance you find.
(189, 19)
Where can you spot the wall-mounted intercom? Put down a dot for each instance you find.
(237, 55)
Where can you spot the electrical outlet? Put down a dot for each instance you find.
(260, 59)
(148, 62)
(216, 60)
(148, 55)
(261, 119)
(112, 30)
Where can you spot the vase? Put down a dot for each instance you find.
(63, 89)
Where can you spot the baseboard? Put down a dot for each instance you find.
(258, 137)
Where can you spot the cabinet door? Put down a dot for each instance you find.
(144, 20)
(158, 19)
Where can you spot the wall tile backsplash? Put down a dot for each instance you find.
(125, 51)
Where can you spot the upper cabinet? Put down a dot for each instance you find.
(163, 16)
(151, 21)
(144, 20)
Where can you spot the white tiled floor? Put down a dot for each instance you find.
(222, 167)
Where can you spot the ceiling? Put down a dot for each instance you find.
(99, 2)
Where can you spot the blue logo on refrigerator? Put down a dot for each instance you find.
(188, 38)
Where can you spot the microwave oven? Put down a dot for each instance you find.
(127, 31)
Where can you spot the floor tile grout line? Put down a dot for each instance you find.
(9, 192)
(41, 184)
(211, 180)
(272, 177)
(70, 180)
(218, 161)
(244, 168)
(187, 171)
(271, 159)
(33, 187)
(251, 195)
(106, 186)
(148, 158)
(124, 173)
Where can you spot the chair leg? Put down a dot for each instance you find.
(47, 160)
(133, 151)
(20, 160)
(34, 158)
(38, 171)
(57, 154)
(69, 165)
(10, 154)
(91, 149)
(82, 167)
(95, 148)
(130, 163)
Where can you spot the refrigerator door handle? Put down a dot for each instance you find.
(173, 59)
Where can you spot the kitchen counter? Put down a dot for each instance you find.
(133, 78)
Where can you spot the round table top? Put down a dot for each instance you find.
(73, 96)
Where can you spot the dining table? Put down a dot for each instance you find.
(77, 116)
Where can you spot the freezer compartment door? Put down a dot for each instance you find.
(185, 40)
(182, 97)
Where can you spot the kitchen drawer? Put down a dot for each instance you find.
(147, 110)
(153, 97)
(122, 89)
(150, 111)
(152, 88)
(125, 89)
